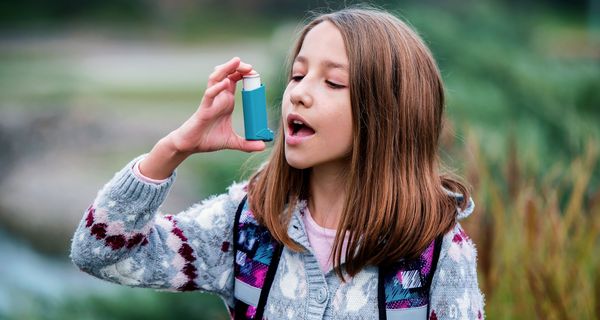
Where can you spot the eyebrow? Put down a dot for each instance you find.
(326, 63)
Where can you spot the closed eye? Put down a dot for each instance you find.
(329, 83)
(335, 85)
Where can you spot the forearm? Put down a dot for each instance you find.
(123, 239)
(162, 160)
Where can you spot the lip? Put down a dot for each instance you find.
(294, 116)
(295, 140)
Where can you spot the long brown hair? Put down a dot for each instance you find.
(396, 203)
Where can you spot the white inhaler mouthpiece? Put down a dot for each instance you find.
(251, 81)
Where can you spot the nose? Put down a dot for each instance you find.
(301, 95)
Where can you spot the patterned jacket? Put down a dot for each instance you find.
(123, 238)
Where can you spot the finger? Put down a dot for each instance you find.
(237, 76)
(249, 145)
(212, 92)
(244, 67)
(221, 71)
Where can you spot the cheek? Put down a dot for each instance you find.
(341, 127)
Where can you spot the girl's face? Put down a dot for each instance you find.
(316, 111)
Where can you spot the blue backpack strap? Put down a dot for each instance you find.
(403, 288)
(256, 259)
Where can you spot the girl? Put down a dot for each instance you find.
(340, 223)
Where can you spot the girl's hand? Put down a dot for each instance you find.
(209, 128)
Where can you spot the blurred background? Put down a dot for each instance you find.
(85, 86)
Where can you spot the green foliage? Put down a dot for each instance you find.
(216, 171)
(129, 303)
(515, 77)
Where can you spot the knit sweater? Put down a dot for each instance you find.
(125, 239)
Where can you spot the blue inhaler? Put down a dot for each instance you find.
(255, 109)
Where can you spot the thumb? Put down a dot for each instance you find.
(248, 145)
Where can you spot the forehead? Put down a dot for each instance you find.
(324, 44)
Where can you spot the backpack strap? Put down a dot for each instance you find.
(257, 256)
(403, 288)
(436, 257)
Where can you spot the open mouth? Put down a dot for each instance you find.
(297, 128)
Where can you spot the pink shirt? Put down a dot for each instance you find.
(138, 173)
(320, 239)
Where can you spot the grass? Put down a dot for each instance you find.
(538, 234)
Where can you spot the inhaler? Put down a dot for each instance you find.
(254, 104)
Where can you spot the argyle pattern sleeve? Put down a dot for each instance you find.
(123, 238)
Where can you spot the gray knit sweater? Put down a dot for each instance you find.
(123, 238)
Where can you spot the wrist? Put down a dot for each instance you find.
(177, 144)
(138, 173)
(162, 160)
(170, 146)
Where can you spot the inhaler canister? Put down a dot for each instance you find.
(255, 109)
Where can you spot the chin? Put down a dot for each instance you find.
(296, 163)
